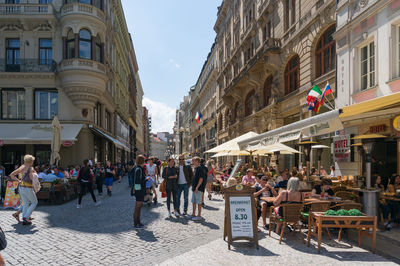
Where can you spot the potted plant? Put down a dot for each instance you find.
(57, 185)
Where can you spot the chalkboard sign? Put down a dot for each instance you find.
(240, 214)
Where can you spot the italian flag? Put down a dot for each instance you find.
(314, 93)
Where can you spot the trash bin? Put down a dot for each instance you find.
(370, 202)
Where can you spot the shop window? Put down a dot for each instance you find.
(12, 55)
(85, 44)
(292, 74)
(248, 108)
(325, 53)
(267, 90)
(367, 65)
(46, 104)
(70, 45)
(13, 104)
(45, 51)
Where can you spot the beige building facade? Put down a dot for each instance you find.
(70, 59)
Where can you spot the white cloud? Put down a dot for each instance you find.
(175, 64)
(162, 116)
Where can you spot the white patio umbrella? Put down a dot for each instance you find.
(55, 141)
(232, 145)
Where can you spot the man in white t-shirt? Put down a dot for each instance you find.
(185, 176)
(152, 172)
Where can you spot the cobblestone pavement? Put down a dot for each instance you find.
(104, 235)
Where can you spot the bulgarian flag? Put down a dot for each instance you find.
(326, 92)
(198, 117)
(314, 94)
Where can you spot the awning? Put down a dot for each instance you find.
(371, 105)
(36, 133)
(116, 142)
(313, 126)
(232, 145)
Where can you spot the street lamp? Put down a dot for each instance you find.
(319, 149)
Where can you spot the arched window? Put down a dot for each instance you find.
(267, 90)
(248, 104)
(85, 44)
(292, 74)
(325, 52)
(99, 50)
(235, 112)
(70, 45)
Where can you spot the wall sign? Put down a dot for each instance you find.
(341, 148)
(396, 123)
(377, 129)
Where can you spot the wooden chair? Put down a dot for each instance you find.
(347, 195)
(291, 216)
(346, 206)
(320, 206)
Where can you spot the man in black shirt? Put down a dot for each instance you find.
(198, 187)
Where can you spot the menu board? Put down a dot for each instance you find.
(341, 148)
(241, 217)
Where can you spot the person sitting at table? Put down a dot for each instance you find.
(322, 171)
(290, 196)
(284, 182)
(249, 179)
(390, 206)
(313, 171)
(325, 187)
(58, 173)
(263, 189)
(333, 172)
(395, 184)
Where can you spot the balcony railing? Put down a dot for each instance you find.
(28, 65)
(82, 64)
(81, 8)
(26, 9)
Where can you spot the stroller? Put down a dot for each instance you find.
(148, 197)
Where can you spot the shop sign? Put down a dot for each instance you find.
(1, 142)
(377, 129)
(241, 217)
(396, 123)
(67, 143)
(341, 148)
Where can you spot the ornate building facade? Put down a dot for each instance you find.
(65, 58)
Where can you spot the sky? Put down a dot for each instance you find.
(172, 39)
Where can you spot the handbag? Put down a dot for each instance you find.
(3, 240)
(137, 186)
(163, 186)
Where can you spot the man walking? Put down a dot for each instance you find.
(109, 179)
(185, 176)
(198, 187)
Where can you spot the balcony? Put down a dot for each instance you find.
(26, 9)
(84, 9)
(81, 64)
(28, 65)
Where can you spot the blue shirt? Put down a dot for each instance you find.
(60, 175)
(282, 184)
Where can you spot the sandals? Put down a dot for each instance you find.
(16, 216)
(209, 196)
(26, 222)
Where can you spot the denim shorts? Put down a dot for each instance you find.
(108, 181)
(197, 197)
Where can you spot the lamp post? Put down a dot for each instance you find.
(319, 149)
(307, 150)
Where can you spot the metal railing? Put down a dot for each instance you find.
(28, 65)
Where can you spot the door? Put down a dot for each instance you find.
(12, 155)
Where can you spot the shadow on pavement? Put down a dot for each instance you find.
(146, 235)
(210, 208)
(210, 225)
(24, 229)
(249, 249)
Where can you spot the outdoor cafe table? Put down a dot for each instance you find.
(308, 200)
(318, 221)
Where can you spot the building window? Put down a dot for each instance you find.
(248, 104)
(325, 53)
(99, 50)
(85, 44)
(13, 54)
(46, 104)
(267, 90)
(45, 51)
(107, 122)
(292, 73)
(368, 66)
(70, 45)
(45, 2)
(290, 13)
(12, 1)
(13, 104)
(97, 114)
(236, 112)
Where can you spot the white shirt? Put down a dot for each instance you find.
(182, 178)
(151, 170)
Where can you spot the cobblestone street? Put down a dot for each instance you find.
(104, 235)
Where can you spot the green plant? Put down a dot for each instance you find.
(56, 181)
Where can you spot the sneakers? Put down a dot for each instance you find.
(97, 203)
(78, 206)
(197, 218)
(169, 215)
(176, 214)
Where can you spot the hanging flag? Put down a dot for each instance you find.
(314, 93)
(326, 92)
(198, 117)
(317, 105)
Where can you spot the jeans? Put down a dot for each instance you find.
(84, 186)
(169, 192)
(389, 207)
(99, 183)
(185, 189)
(29, 201)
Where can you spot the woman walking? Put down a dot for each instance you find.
(151, 168)
(210, 177)
(29, 185)
(85, 179)
(170, 174)
(139, 181)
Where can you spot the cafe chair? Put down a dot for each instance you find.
(347, 195)
(320, 206)
(346, 206)
(339, 188)
(291, 216)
